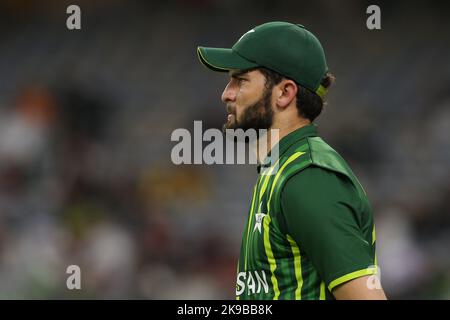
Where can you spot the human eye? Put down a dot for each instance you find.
(241, 80)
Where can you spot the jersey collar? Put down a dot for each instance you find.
(309, 130)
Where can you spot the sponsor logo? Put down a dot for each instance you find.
(251, 282)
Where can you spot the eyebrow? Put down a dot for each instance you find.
(238, 73)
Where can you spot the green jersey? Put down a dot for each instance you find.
(310, 226)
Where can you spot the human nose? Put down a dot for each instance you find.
(228, 94)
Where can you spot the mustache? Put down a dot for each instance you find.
(231, 109)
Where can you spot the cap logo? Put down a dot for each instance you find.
(250, 31)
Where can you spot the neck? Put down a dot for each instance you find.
(288, 128)
(272, 138)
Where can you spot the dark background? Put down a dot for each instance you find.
(86, 117)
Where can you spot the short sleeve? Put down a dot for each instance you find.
(322, 214)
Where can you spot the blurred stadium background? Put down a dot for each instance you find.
(85, 124)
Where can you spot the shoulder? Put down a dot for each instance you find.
(313, 150)
(320, 164)
(312, 156)
(323, 155)
(312, 169)
(316, 183)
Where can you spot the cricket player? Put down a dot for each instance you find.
(310, 232)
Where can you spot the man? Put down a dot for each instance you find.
(310, 232)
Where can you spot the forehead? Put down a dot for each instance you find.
(239, 73)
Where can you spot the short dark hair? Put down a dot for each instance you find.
(309, 103)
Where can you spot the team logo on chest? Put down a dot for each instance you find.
(258, 221)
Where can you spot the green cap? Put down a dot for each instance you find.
(287, 48)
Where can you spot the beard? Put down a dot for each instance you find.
(256, 116)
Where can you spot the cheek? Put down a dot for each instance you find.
(239, 109)
(241, 103)
(245, 97)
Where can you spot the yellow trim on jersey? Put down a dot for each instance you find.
(266, 222)
(351, 276)
(374, 236)
(289, 160)
(261, 193)
(297, 267)
(237, 273)
(322, 291)
(270, 257)
(266, 179)
(250, 222)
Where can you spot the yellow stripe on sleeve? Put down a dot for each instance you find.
(351, 276)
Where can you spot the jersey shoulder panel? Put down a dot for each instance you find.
(324, 156)
(311, 151)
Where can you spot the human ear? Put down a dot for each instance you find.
(285, 93)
